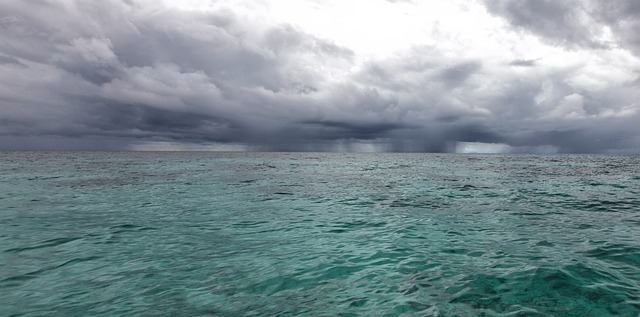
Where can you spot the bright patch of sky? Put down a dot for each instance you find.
(379, 28)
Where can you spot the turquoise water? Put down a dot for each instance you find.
(309, 234)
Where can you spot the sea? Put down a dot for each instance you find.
(318, 234)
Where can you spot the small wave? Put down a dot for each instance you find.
(616, 252)
(37, 273)
(127, 227)
(574, 290)
(43, 244)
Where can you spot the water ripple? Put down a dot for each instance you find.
(313, 234)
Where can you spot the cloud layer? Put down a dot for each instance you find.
(112, 74)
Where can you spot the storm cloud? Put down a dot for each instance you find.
(578, 24)
(133, 74)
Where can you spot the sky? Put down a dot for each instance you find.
(474, 76)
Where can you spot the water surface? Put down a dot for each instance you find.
(312, 234)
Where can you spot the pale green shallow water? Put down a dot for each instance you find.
(274, 234)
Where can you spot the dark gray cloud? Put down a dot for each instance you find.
(200, 77)
(4, 60)
(335, 130)
(557, 21)
(574, 23)
(119, 74)
(455, 75)
(523, 63)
